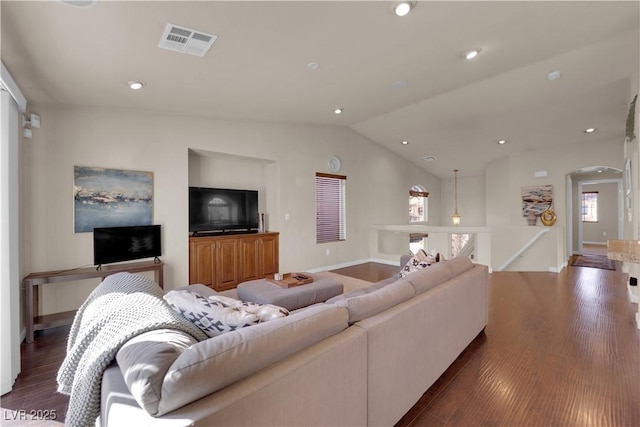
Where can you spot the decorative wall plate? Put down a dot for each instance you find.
(548, 217)
(334, 164)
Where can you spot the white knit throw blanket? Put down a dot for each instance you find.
(122, 306)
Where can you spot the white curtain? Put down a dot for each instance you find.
(9, 243)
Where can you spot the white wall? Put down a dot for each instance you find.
(390, 206)
(288, 157)
(632, 152)
(10, 249)
(471, 201)
(564, 159)
(631, 215)
(285, 158)
(505, 177)
(498, 187)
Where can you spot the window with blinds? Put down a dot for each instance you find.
(418, 204)
(330, 208)
(590, 206)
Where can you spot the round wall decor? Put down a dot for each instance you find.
(548, 217)
(334, 164)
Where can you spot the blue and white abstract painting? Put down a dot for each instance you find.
(111, 198)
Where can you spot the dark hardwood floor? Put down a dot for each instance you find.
(369, 271)
(34, 400)
(560, 350)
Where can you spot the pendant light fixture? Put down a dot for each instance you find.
(455, 217)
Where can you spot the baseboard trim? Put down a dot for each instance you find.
(336, 266)
(559, 268)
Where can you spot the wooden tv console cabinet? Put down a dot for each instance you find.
(223, 261)
(33, 280)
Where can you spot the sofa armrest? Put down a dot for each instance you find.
(333, 371)
(213, 364)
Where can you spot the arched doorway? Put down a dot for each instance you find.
(594, 209)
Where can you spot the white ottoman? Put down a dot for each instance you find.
(264, 292)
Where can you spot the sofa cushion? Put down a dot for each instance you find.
(363, 291)
(213, 364)
(219, 314)
(459, 265)
(427, 278)
(145, 359)
(350, 294)
(382, 283)
(438, 273)
(366, 305)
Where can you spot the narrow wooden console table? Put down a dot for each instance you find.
(34, 322)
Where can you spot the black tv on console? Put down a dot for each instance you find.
(221, 210)
(116, 244)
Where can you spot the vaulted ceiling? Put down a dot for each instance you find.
(396, 78)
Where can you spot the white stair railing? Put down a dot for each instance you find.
(522, 250)
(469, 248)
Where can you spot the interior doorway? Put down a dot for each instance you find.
(590, 225)
(594, 249)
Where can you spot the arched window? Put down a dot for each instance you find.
(418, 205)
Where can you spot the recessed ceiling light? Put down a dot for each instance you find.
(135, 85)
(401, 84)
(338, 110)
(403, 8)
(79, 3)
(429, 158)
(590, 130)
(554, 75)
(405, 142)
(472, 53)
(502, 141)
(313, 65)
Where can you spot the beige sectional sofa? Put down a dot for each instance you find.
(362, 358)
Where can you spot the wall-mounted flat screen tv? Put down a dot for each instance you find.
(222, 210)
(116, 244)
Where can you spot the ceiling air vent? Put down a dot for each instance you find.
(184, 40)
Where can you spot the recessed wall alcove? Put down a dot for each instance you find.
(223, 170)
